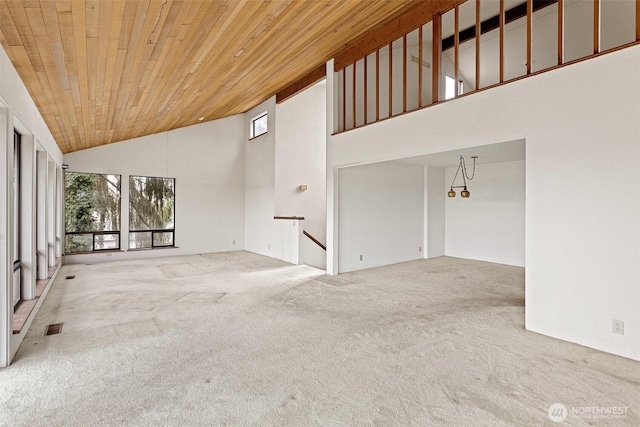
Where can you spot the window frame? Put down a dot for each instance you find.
(16, 226)
(449, 79)
(94, 233)
(153, 231)
(252, 129)
(93, 240)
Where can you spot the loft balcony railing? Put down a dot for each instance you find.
(475, 45)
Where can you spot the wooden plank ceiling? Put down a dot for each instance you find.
(102, 71)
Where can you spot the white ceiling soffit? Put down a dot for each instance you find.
(509, 151)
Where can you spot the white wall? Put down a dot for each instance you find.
(381, 214)
(582, 143)
(290, 154)
(489, 225)
(434, 212)
(18, 111)
(300, 158)
(263, 234)
(260, 183)
(207, 162)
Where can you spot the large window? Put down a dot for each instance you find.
(151, 212)
(92, 212)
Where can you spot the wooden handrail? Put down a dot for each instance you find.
(314, 240)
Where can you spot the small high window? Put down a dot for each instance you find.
(259, 125)
(450, 87)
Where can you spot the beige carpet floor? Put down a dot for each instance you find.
(240, 339)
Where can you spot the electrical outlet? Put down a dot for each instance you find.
(419, 248)
(234, 242)
(618, 327)
(269, 247)
(360, 257)
(109, 254)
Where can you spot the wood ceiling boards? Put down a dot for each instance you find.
(102, 71)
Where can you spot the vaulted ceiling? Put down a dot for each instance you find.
(102, 71)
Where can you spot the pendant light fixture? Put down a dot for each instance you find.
(462, 166)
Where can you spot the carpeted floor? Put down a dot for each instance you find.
(240, 339)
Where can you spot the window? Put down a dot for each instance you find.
(259, 125)
(92, 212)
(450, 87)
(151, 212)
(16, 220)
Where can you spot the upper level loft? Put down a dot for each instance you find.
(475, 45)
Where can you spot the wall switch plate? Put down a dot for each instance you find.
(618, 327)
(419, 248)
(269, 247)
(234, 242)
(360, 257)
